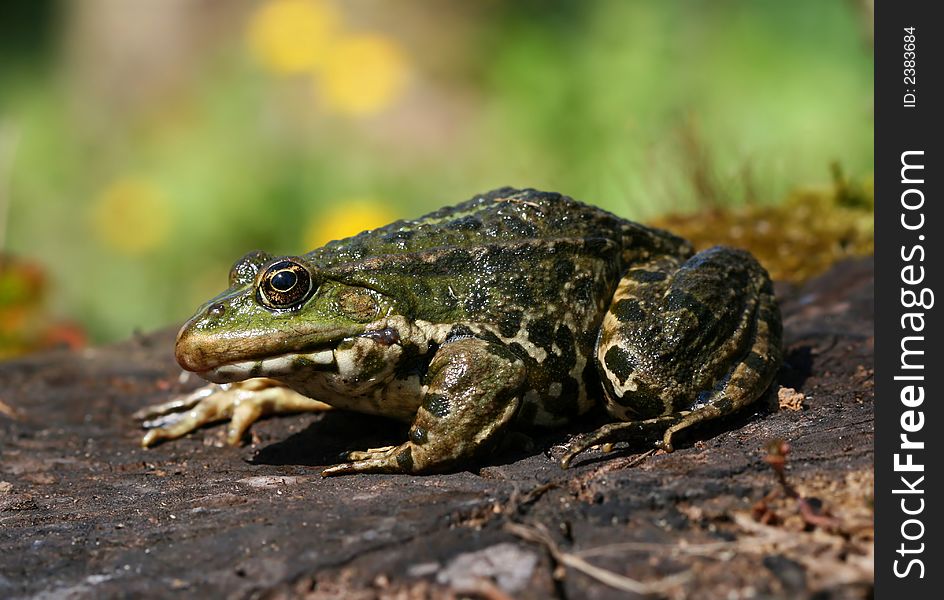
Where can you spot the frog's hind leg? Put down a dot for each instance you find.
(746, 381)
(243, 403)
(474, 390)
(685, 341)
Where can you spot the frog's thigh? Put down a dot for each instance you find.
(691, 344)
(243, 403)
(747, 379)
(474, 389)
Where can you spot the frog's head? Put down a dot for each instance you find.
(278, 313)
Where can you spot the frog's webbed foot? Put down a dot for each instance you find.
(242, 403)
(473, 392)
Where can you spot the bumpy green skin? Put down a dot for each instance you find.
(517, 306)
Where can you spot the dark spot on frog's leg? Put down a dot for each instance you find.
(644, 276)
(489, 336)
(510, 323)
(724, 405)
(587, 339)
(629, 310)
(564, 338)
(598, 245)
(437, 404)
(583, 290)
(620, 362)
(644, 402)
(518, 350)
(591, 379)
(540, 332)
(405, 459)
(564, 269)
(418, 435)
(679, 300)
(756, 361)
(302, 363)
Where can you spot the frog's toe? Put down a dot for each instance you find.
(571, 454)
(393, 459)
(242, 403)
(666, 443)
(244, 415)
(355, 455)
(581, 444)
(173, 425)
(157, 414)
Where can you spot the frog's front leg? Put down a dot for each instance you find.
(474, 390)
(685, 341)
(243, 403)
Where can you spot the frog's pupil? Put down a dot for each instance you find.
(285, 280)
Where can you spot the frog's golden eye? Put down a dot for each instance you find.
(285, 284)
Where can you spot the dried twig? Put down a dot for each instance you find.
(708, 549)
(539, 535)
(9, 411)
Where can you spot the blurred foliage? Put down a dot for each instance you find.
(153, 143)
(24, 325)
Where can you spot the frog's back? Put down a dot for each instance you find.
(505, 217)
(507, 252)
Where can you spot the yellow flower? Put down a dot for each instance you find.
(291, 36)
(346, 218)
(362, 74)
(132, 215)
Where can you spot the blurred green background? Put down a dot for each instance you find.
(146, 145)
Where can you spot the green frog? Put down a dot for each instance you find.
(517, 308)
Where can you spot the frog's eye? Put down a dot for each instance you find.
(285, 284)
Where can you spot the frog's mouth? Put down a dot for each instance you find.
(224, 359)
(274, 366)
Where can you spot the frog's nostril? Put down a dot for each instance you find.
(216, 310)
